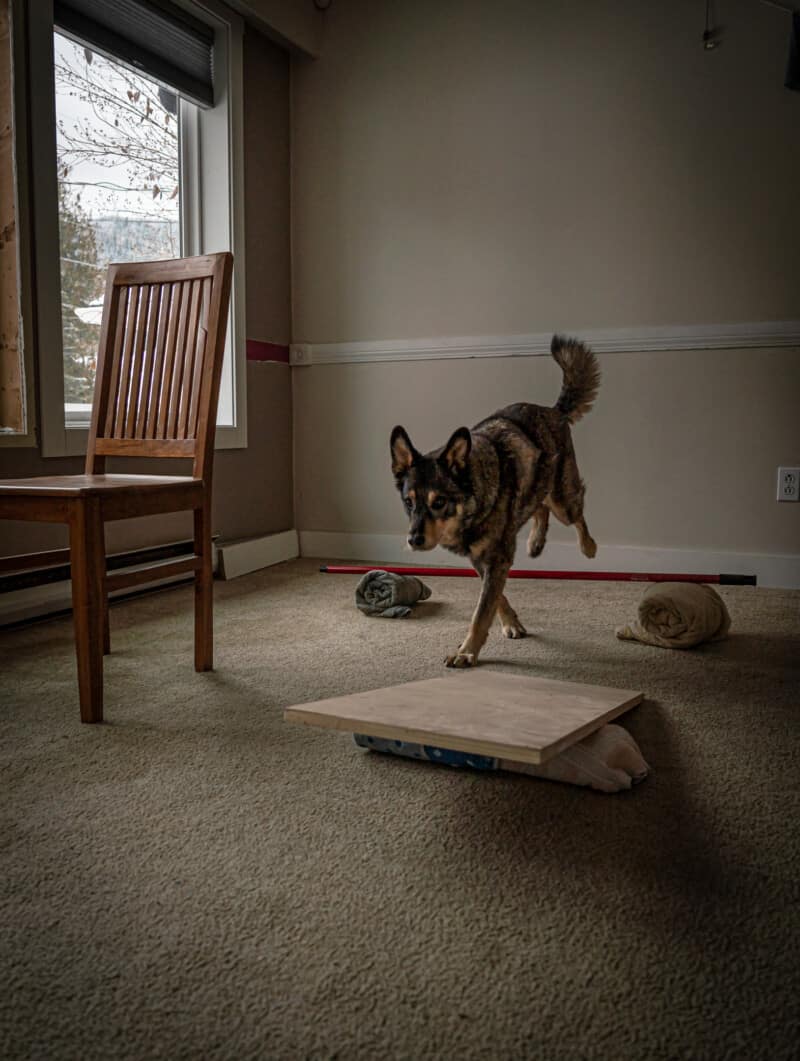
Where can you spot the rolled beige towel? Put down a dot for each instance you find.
(678, 615)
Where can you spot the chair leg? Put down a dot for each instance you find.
(106, 627)
(203, 592)
(87, 560)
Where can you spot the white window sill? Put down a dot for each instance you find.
(77, 420)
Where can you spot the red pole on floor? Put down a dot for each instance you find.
(578, 576)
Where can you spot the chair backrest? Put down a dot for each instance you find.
(162, 342)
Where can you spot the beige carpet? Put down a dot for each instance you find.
(198, 879)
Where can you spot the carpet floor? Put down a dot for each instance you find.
(198, 879)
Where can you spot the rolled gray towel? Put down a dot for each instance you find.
(389, 595)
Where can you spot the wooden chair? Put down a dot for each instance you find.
(158, 375)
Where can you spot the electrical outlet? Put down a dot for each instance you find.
(789, 484)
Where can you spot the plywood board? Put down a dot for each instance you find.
(509, 716)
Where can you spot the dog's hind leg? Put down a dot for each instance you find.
(565, 501)
(566, 504)
(585, 540)
(538, 534)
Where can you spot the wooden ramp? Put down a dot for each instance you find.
(509, 716)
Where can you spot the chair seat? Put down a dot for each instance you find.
(86, 485)
(119, 496)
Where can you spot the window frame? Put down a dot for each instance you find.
(211, 167)
(25, 299)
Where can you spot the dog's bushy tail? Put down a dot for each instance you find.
(581, 377)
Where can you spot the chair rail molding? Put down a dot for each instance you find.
(767, 334)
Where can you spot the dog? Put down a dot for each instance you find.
(474, 494)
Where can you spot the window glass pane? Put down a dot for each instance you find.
(118, 193)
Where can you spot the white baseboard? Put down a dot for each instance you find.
(771, 571)
(250, 554)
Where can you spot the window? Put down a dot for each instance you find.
(134, 158)
(118, 167)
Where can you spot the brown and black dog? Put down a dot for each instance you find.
(474, 494)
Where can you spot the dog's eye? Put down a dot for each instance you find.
(438, 504)
(408, 503)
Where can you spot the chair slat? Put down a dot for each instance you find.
(123, 390)
(120, 398)
(190, 358)
(180, 361)
(201, 355)
(169, 360)
(159, 358)
(114, 358)
(156, 291)
(137, 360)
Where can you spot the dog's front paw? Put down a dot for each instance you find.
(460, 659)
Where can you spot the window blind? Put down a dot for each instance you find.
(154, 36)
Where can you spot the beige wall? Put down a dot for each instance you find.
(266, 185)
(487, 168)
(679, 452)
(253, 486)
(482, 167)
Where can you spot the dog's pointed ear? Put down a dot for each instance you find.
(403, 452)
(456, 453)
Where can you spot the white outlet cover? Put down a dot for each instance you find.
(789, 484)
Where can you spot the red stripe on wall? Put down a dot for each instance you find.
(259, 351)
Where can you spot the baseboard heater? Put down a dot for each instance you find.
(25, 576)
